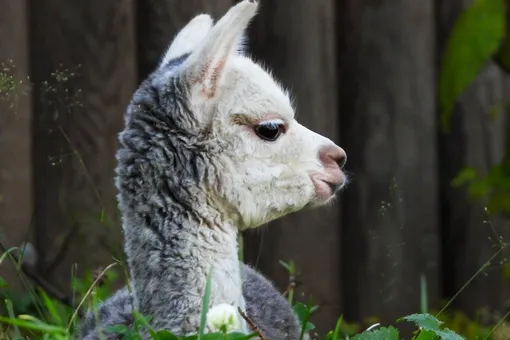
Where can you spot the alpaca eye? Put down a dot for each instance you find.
(269, 131)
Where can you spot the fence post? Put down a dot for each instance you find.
(15, 126)
(83, 64)
(388, 126)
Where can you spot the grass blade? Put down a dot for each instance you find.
(205, 305)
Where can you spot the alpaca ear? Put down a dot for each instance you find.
(187, 40)
(205, 66)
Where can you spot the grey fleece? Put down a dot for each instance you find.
(265, 306)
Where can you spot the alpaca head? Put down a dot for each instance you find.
(229, 131)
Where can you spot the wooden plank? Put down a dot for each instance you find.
(296, 39)
(475, 140)
(388, 128)
(15, 120)
(160, 20)
(75, 129)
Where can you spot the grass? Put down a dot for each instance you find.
(55, 320)
(48, 318)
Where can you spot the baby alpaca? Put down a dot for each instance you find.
(210, 147)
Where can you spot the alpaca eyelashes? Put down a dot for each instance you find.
(270, 130)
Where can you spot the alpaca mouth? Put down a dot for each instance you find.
(325, 189)
(334, 187)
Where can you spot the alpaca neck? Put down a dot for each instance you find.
(170, 255)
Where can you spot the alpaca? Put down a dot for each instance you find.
(210, 148)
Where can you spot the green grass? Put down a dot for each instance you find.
(42, 317)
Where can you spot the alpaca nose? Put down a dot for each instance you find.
(332, 154)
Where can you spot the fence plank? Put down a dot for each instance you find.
(475, 140)
(388, 127)
(303, 58)
(76, 126)
(160, 20)
(15, 120)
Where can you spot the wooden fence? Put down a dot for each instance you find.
(363, 73)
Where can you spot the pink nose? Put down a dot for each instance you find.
(332, 156)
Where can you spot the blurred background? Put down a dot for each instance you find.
(424, 221)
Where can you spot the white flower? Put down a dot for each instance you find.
(223, 315)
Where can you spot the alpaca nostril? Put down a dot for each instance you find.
(341, 159)
(333, 154)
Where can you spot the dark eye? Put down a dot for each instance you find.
(269, 131)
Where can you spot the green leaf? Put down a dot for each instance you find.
(143, 321)
(214, 336)
(336, 334)
(7, 254)
(33, 324)
(288, 266)
(10, 311)
(117, 329)
(50, 306)
(429, 323)
(383, 333)
(502, 56)
(446, 334)
(241, 336)
(3, 283)
(425, 321)
(464, 176)
(475, 38)
(303, 312)
(426, 335)
(166, 335)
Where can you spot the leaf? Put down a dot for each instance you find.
(303, 312)
(429, 323)
(427, 335)
(383, 333)
(117, 329)
(447, 334)
(166, 335)
(3, 283)
(191, 337)
(502, 56)
(7, 254)
(36, 326)
(425, 321)
(143, 321)
(289, 267)
(475, 38)
(214, 336)
(336, 334)
(10, 311)
(464, 176)
(50, 306)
